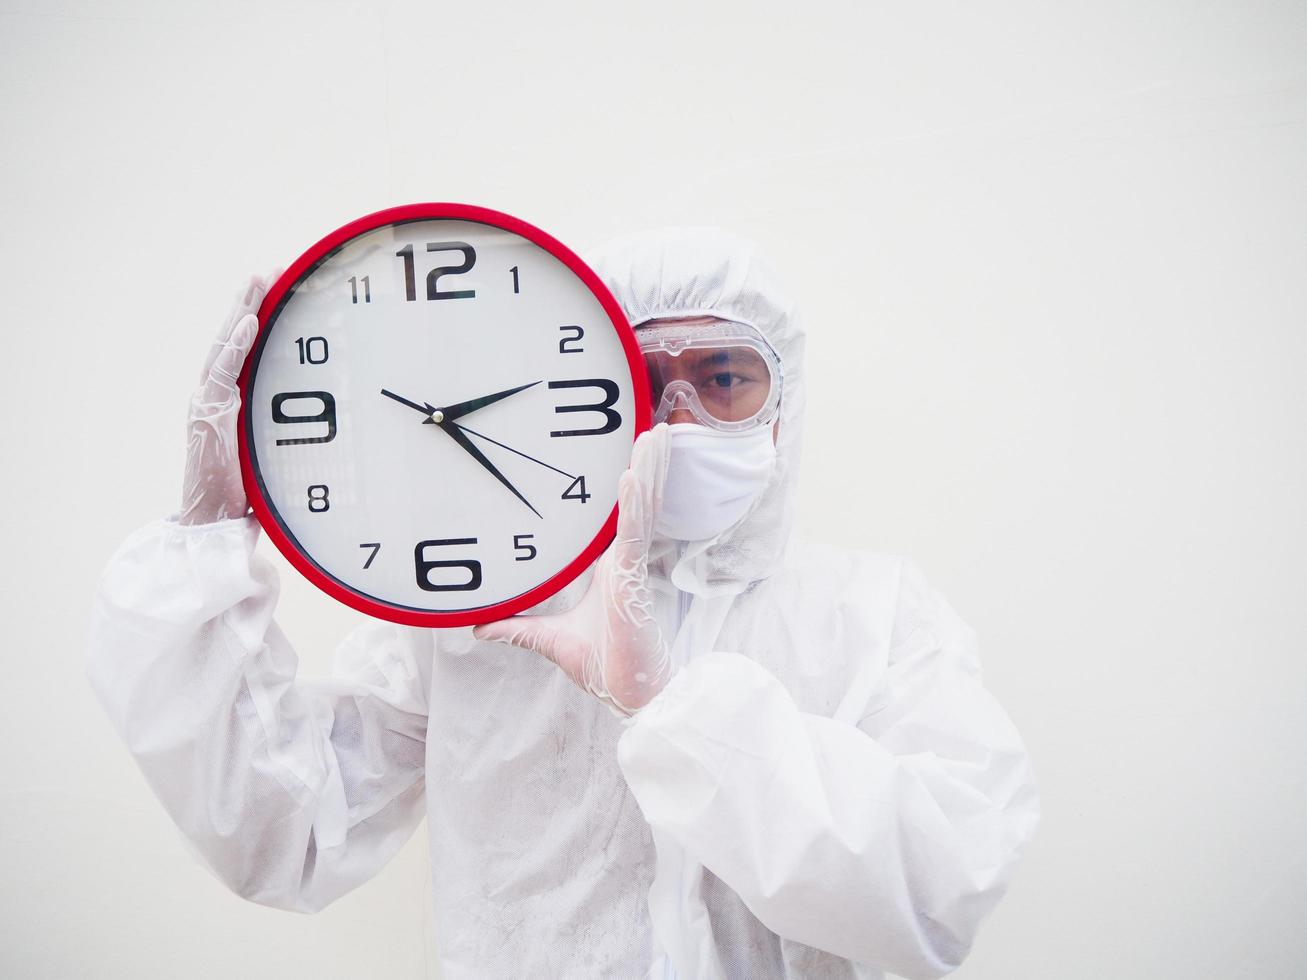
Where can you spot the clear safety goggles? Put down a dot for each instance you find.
(722, 372)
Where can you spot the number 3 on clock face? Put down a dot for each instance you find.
(436, 413)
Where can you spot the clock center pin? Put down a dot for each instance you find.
(437, 416)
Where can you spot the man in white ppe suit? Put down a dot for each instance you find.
(739, 756)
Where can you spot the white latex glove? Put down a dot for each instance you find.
(212, 488)
(609, 644)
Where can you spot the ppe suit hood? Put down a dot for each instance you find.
(700, 271)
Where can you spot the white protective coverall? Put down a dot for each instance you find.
(824, 789)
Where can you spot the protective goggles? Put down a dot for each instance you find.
(722, 372)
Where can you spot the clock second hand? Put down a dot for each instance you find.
(501, 445)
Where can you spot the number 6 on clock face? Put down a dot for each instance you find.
(436, 412)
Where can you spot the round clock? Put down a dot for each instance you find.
(436, 412)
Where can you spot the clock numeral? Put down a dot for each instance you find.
(612, 419)
(375, 546)
(319, 500)
(579, 485)
(515, 283)
(425, 567)
(410, 280)
(433, 286)
(563, 347)
(327, 415)
(354, 289)
(307, 350)
(520, 545)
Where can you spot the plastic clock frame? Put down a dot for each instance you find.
(272, 305)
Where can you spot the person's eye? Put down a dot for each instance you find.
(725, 379)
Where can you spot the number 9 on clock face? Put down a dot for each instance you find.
(436, 412)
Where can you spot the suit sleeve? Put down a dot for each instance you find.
(885, 842)
(292, 791)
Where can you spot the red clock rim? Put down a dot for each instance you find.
(267, 517)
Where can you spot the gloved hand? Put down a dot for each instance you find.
(609, 644)
(212, 488)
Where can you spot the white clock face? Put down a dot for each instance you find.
(436, 416)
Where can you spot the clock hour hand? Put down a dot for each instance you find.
(459, 437)
(452, 412)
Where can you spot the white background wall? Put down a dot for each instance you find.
(1052, 260)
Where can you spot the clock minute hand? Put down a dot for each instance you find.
(457, 435)
(452, 412)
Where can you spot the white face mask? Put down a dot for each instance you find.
(712, 479)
